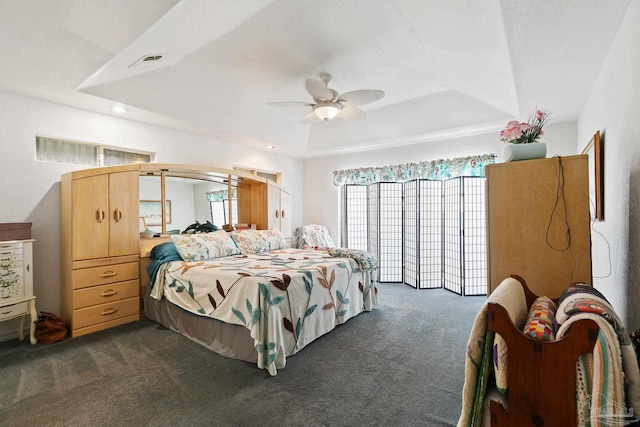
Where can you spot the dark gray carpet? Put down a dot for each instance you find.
(400, 365)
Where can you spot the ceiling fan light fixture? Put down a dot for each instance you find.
(326, 111)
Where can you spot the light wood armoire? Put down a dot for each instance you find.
(538, 223)
(103, 278)
(100, 249)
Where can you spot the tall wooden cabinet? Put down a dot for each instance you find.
(538, 223)
(100, 248)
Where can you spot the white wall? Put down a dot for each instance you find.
(323, 206)
(30, 190)
(613, 107)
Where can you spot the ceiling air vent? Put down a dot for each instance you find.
(146, 58)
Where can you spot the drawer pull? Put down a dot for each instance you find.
(108, 293)
(108, 273)
(6, 312)
(109, 311)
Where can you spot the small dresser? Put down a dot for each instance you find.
(16, 284)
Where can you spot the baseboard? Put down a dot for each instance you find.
(10, 335)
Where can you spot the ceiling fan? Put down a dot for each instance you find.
(328, 103)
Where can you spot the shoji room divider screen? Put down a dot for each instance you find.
(464, 236)
(444, 235)
(427, 234)
(423, 234)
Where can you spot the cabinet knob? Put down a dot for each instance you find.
(117, 215)
(277, 213)
(100, 215)
(282, 214)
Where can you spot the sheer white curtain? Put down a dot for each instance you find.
(59, 151)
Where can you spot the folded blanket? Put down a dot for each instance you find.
(366, 260)
(614, 358)
(599, 390)
(510, 295)
(160, 254)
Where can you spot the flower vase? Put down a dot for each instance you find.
(513, 152)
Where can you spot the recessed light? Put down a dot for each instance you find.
(118, 109)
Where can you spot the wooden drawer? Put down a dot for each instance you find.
(10, 311)
(105, 312)
(86, 277)
(105, 293)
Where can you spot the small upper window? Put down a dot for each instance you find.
(57, 150)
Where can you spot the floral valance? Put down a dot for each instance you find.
(434, 170)
(220, 195)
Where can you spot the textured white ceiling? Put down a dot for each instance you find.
(445, 66)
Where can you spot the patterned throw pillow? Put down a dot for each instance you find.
(274, 238)
(541, 320)
(203, 246)
(249, 241)
(313, 236)
(258, 241)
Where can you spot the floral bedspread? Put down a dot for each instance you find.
(286, 298)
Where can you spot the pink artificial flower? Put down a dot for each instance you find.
(524, 132)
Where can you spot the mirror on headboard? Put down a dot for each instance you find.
(199, 193)
(187, 200)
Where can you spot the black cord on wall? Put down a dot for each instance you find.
(559, 212)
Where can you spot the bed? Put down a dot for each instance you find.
(247, 296)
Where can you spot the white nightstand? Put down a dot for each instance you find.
(16, 284)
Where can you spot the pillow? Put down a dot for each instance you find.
(203, 246)
(249, 241)
(313, 236)
(258, 241)
(274, 238)
(541, 320)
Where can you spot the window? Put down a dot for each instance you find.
(220, 212)
(57, 150)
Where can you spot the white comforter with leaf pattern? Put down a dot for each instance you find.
(286, 298)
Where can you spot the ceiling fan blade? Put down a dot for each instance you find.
(290, 104)
(319, 90)
(351, 113)
(309, 117)
(360, 97)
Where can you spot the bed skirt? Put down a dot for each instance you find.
(228, 340)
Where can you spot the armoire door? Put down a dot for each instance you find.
(90, 213)
(285, 214)
(273, 207)
(124, 212)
